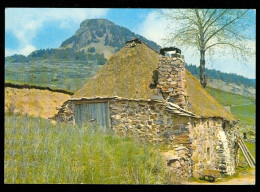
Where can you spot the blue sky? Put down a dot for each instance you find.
(28, 29)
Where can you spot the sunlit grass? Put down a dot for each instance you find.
(243, 108)
(37, 151)
(251, 147)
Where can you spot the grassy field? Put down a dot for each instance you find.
(70, 75)
(251, 148)
(241, 107)
(36, 151)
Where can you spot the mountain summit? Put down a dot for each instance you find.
(102, 36)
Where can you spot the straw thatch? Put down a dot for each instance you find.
(202, 103)
(129, 74)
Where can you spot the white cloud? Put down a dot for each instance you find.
(153, 28)
(24, 23)
(26, 50)
(9, 52)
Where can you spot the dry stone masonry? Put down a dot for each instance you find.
(213, 147)
(149, 121)
(171, 80)
(66, 113)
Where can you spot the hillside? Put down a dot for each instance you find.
(70, 75)
(242, 107)
(229, 82)
(33, 102)
(76, 60)
(102, 36)
(232, 88)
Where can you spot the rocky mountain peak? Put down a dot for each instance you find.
(103, 36)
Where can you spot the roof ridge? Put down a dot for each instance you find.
(136, 38)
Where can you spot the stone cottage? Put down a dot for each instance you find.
(149, 95)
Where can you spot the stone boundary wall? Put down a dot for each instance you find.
(171, 80)
(150, 122)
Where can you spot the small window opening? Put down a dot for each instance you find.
(224, 125)
(208, 153)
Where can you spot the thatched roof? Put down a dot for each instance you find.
(128, 74)
(202, 103)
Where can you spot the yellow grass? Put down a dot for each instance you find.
(34, 102)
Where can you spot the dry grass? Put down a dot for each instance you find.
(33, 102)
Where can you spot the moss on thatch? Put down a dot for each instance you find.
(202, 103)
(129, 74)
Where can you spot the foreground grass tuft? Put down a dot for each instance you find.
(37, 151)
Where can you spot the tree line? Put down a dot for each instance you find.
(226, 77)
(61, 54)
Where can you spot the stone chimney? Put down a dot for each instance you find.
(171, 77)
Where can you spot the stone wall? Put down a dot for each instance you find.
(214, 148)
(210, 145)
(171, 80)
(149, 121)
(66, 113)
(179, 163)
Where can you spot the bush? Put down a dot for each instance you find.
(91, 50)
(36, 151)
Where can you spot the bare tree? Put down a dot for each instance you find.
(208, 29)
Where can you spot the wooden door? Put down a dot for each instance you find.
(94, 114)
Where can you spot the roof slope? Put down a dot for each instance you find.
(128, 74)
(202, 103)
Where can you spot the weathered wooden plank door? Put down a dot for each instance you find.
(94, 114)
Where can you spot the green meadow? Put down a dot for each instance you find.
(36, 151)
(243, 108)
